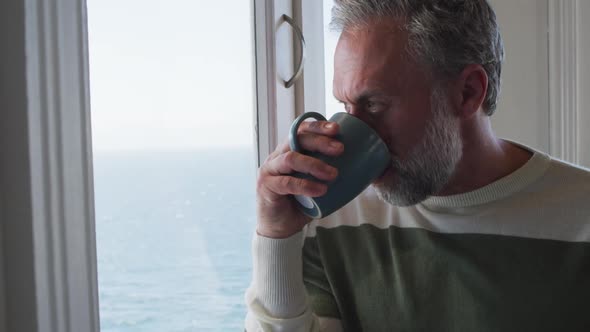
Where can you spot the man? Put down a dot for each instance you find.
(463, 232)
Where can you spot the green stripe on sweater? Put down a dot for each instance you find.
(408, 279)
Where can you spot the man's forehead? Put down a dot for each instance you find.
(363, 62)
(357, 88)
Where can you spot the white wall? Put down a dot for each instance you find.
(523, 111)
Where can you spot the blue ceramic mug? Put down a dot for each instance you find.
(364, 159)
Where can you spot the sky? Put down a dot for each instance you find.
(177, 74)
(171, 74)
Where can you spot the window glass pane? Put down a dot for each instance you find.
(330, 41)
(172, 113)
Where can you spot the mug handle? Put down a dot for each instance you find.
(293, 143)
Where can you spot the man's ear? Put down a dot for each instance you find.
(470, 90)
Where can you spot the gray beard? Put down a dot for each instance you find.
(429, 166)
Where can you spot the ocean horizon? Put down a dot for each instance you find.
(173, 235)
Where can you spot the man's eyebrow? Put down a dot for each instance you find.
(367, 94)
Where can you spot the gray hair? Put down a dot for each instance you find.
(445, 35)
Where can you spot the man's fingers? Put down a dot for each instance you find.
(320, 143)
(292, 161)
(309, 137)
(283, 148)
(314, 142)
(319, 127)
(288, 185)
(312, 136)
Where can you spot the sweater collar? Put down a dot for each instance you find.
(528, 173)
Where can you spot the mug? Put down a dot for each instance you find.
(364, 159)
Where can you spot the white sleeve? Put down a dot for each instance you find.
(276, 298)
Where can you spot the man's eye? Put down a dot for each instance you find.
(373, 107)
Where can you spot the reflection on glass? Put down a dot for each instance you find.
(172, 105)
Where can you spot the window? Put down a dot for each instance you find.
(174, 162)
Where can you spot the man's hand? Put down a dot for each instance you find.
(278, 215)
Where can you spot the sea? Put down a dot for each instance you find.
(173, 231)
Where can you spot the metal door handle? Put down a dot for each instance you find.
(299, 34)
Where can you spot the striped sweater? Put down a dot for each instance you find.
(511, 256)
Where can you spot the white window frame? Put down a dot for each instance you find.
(49, 253)
(565, 89)
(265, 119)
(310, 89)
(277, 105)
(48, 271)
